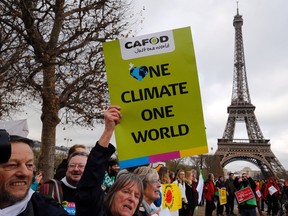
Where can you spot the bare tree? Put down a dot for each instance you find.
(175, 164)
(211, 164)
(59, 61)
(10, 52)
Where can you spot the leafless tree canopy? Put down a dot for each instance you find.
(51, 52)
(208, 164)
(60, 40)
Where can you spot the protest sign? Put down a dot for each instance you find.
(153, 78)
(171, 197)
(272, 190)
(244, 194)
(222, 196)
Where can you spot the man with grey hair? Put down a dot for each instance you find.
(16, 196)
(64, 191)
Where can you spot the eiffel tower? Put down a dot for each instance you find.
(256, 149)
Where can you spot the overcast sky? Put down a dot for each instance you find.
(265, 36)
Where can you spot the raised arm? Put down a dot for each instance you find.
(111, 117)
(90, 196)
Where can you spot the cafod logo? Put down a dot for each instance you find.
(147, 45)
(142, 43)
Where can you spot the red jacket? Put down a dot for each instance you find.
(258, 193)
(209, 190)
(271, 182)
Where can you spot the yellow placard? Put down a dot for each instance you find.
(222, 196)
(171, 197)
(154, 79)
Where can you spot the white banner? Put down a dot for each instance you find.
(17, 127)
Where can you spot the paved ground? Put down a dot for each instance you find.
(201, 212)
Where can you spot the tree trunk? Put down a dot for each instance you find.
(50, 120)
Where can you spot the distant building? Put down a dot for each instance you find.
(255, 174)
(59, 149)
(248, 170)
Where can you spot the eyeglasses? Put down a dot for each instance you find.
(79, 166)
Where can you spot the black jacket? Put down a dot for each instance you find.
(43, 206)
(90, 196)
(61, 170)
(230, 187)
(192, 194)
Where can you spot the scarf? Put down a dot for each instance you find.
(148, 208)
(64, 180)
(18, 207)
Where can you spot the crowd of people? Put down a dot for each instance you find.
(92, 184)
(270, 197)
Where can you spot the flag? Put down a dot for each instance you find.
(200, 187)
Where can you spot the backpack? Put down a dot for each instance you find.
(52, 188)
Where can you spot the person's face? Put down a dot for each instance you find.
(189, 176)
(114, 169)
(75, 169)
(193, 177)
(181, 175)
(16, 175)
(126, 201)
(244, 177)
(151, 192)
(212, 177)
(231, 176)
